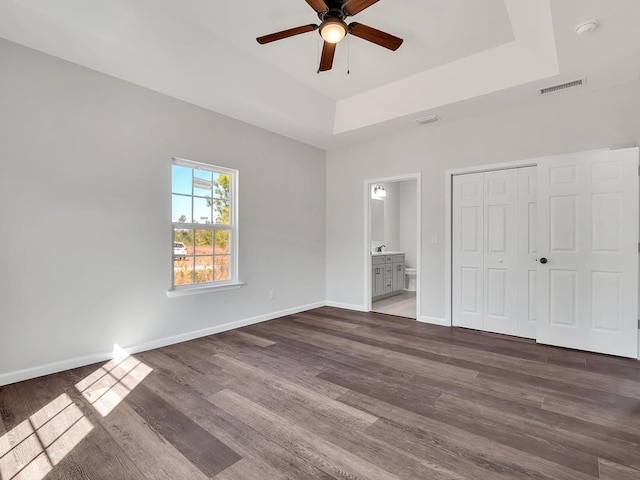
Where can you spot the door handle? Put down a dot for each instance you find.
(543, 260)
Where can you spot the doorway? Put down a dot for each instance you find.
(392, 245)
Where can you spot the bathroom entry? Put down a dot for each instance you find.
(393, 246)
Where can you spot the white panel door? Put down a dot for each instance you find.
(588, 252)
(527, 252)
(468, 248)
(501, 251)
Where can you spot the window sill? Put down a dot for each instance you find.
(183, 292)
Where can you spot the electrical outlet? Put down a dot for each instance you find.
(272, 294)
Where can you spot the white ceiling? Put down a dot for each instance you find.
(459, 57)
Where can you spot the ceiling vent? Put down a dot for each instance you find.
(563, 86)
(424, 121)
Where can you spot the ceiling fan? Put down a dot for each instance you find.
(333, 28)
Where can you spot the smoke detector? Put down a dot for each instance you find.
(586, 27)
(424, 121)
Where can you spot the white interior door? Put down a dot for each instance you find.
(528, 251)
(468, 251)
(588, 252)
(485, 251)
(501, 251)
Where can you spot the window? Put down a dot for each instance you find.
(205, 225)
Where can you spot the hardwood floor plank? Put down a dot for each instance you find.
(618, 419)
(165, 362)
(4, 412)
(548, 386)
(325, 423)
(248, 442)
(96, 456)
(479, 456)
(406, 346)
(252, 339)
(247, 469)
(205, 451)
(552, 428)
(403, 395)
(301, 371)
(371, 320)
(324, 359)
(629, 387)
(372, 353)
(323, 454)
(240, 373)
(471, 417)
(613, 471)
(427, 407)
(480, 388)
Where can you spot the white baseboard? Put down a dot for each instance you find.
(55, 367)
(434, 321)
(346, 306)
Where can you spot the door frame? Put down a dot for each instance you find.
(448, 218)
(368, 183)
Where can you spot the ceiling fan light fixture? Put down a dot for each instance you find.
(333, 30)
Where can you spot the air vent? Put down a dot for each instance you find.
(424, 121)
(563, 86)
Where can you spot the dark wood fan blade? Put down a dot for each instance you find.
(378, 37)
(356, 6)
(286, 33)
(328, 52)
(318, 5)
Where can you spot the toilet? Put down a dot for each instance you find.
(410, 279)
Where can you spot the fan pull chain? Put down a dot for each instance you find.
(348, 55)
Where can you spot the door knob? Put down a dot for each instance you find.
(543, 260)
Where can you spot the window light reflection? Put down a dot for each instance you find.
(35, 446)
(110, 384)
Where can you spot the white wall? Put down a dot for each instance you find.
(556, 124)
(85, 210)
(407, 220)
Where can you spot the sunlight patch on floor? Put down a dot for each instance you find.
(110, 384)
(30, 450)
(35, 446)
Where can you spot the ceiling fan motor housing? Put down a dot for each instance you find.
(334, 9)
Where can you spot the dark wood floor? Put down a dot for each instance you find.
(330, 394)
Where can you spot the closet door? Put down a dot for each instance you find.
(588, 264)
(528, 252)
(491, 264)
(501, 251)
(468, 251)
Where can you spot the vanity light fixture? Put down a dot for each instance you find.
(379, 191)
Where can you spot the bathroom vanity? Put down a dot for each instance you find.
(387, 274)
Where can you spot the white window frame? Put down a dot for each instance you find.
(233, 282)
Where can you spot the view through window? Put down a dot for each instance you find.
(204, 223)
